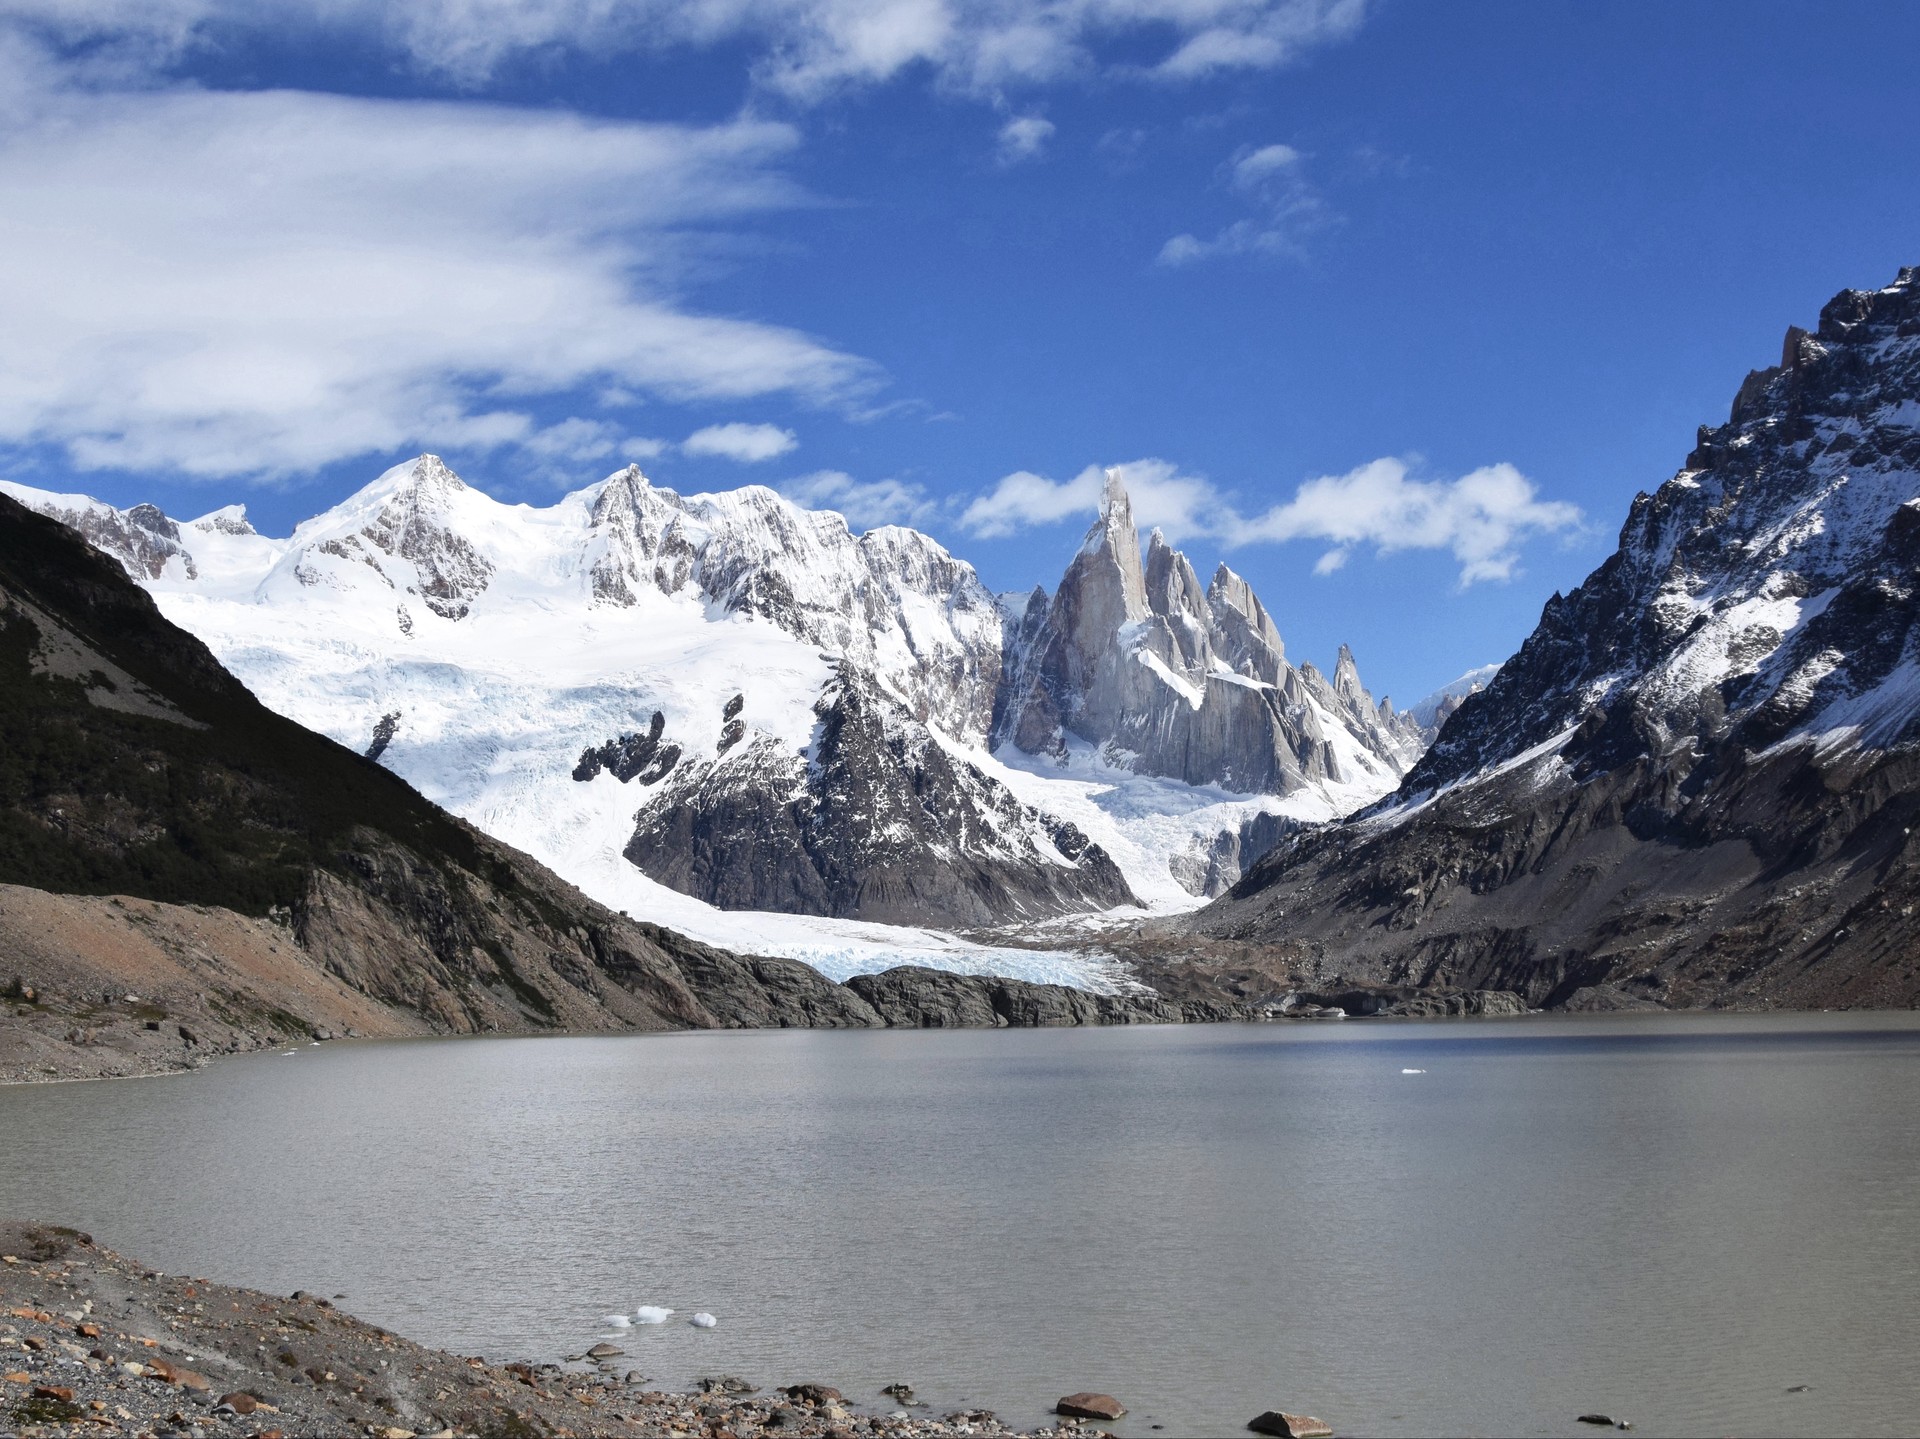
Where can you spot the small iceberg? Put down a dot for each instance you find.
(703, 1320)
(1413, 1071)
(651, 1314)
(618, 1321)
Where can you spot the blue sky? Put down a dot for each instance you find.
(1394, 306)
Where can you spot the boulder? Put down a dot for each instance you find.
(1290, 1426)
(1090, 1406)
(815, 1394)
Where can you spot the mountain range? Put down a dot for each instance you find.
(184, 872)
(1694, 783)
(736, 716)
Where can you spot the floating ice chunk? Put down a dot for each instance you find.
(618, 1321)
(651, 1314)
(703, 1320)
(1413, 1071)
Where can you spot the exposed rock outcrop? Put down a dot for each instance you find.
(143, 539)
(913, 998)
(878, 820)
(890, 602)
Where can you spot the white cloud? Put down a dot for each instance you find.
(1162, 498)
(1023, 138)
(573, 439)
(1255, 169)
(807, 49)
(1481, 518)
(1023, 499)
(749, 444)
(864, 503)
(258, 283)
(1273, 179)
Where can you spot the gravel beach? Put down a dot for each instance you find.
(92, 1342)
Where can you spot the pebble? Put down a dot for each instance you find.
(289, 1367)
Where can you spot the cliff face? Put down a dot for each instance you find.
(1696, 781)
(1186, 681)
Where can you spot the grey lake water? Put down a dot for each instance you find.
(1674, 1219)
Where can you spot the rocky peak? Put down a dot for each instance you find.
(414, 518)
(1174, 594)
(1188, 683)
(891, 600)
(143, 539)
(227, 520)
(1245, 637)
(1112, 552)
(1761, 586)
(1346, 679)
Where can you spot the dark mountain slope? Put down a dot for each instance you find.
(1697, 781)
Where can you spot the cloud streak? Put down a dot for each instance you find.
(744, 443)
(806, 50)
(1273, 180)
(265, 283)
(865, 503)
(1481, 518)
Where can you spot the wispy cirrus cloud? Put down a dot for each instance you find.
(805, 49)
(262, 283)
(1481, 518)
(1273, 180)
(865, 503)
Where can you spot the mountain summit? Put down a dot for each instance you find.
(1188, 682)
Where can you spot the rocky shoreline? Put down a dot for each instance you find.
(49, 1036)
(94, 1342)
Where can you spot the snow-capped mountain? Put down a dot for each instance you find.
(1431, 711)
(1186, 682)
(709, 706)
(1699, 774)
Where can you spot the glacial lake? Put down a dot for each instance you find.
(1673, 1219)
